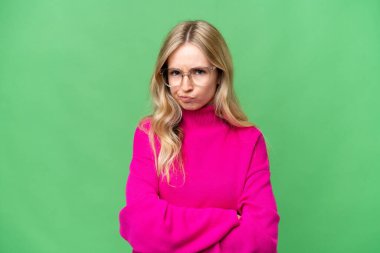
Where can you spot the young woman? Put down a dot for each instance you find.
(199, 177)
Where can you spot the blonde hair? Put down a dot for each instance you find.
(167, 113)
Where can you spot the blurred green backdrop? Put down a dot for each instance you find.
(74, 79)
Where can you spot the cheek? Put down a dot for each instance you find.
(209, 92)
(173, 91)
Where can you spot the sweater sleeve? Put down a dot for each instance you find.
(258, 229)
(151, 224)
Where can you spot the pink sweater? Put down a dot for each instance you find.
(227, 172)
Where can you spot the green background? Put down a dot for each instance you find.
(74, 78)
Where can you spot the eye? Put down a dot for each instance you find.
(199, 71)
(174, 72)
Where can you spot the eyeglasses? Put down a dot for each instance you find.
(173, 77)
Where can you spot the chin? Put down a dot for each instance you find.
(190, 106)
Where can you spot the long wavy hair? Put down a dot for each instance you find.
(167, 113)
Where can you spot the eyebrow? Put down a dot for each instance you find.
(190, 68)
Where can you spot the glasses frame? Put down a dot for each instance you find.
(188, 74)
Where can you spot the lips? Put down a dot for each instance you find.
(185, 98)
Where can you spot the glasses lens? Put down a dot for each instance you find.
(200, 76)
(173, 76)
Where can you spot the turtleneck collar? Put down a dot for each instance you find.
(200, 118)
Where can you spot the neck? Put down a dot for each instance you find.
(200, 118)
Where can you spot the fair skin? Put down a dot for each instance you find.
(185, 57)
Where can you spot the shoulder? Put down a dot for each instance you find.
(249, 134)
(144, 124)
(142, 131)
(252, 138)
(142, 128)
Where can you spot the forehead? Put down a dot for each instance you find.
(187, 56)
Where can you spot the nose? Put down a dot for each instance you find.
(186, 84)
